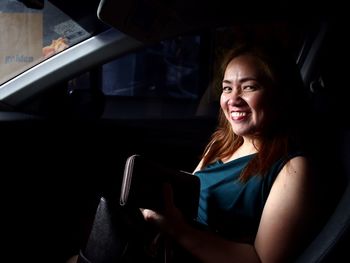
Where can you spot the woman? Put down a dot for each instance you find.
(256, 180)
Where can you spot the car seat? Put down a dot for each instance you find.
(331, 243)
(120, 235)
(329, 103)
(107, 241)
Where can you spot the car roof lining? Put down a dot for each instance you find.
(150, 21)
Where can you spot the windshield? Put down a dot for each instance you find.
(29, 36)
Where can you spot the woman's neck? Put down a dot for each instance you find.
(248, 147)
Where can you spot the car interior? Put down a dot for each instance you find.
(69, 122)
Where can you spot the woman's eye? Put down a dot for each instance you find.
(249, 88)
(226, 89)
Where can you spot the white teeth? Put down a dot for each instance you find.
(238, 114)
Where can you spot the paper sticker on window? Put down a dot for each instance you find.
(20, 42)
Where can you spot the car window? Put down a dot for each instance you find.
(167, 69)
(163, 80)
(30, 36)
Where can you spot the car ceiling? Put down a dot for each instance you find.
(150, 21)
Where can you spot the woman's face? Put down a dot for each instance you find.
(244, 98)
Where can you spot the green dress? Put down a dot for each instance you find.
(230, 207)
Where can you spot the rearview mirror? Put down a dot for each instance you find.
(35, 4)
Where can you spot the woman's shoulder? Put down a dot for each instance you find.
(297, 169)
(293, 158)
(290, 163)
(297, 164)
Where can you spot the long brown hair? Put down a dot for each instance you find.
(277, 140)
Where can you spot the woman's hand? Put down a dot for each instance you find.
(170, 221)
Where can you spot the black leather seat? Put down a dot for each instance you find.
(331, 244)
(118, 235)
(107, 240)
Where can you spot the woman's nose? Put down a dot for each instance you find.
(234, 97)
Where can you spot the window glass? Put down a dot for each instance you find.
(29, 36)
(169, 69)
(158, 81)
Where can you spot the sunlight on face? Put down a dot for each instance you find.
(243, 98)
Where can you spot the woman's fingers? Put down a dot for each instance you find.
(150, 215)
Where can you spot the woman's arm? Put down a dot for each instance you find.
(284, 222)
(204, 245)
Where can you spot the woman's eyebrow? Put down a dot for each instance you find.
(248, 79)
(245, 79)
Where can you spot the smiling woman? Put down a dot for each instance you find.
(244, 95)
(257, 184)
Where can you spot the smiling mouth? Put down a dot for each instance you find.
(238, 115)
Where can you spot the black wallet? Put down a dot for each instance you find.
(143, 182)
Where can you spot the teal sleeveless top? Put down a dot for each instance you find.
(230, 207)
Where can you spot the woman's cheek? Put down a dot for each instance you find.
(223, 102)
